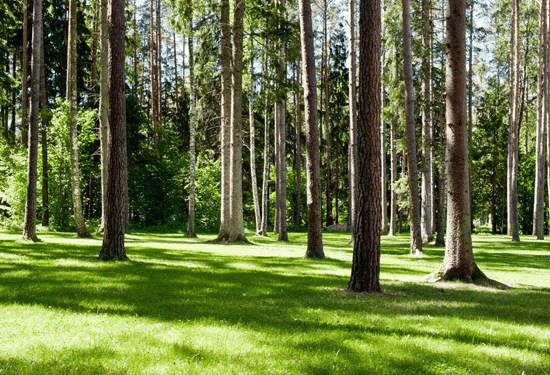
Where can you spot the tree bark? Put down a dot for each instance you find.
(314, 243)
(29, 226)
(458, 263)
(70, 96)
(236, 223)
(298, 154)
(115, 225)
(365, 272)
(414, 203)
(329, 186)
(393, 177)
(225, 133)
(104, 75)
(265, 174)
(538, 209)
(24, 76)
(383, 174)
(280, 152)
(191, 227)
(352, 118)
(45, 126)
(252, 127)
(427, 188)
(154, 65)
(513, 133)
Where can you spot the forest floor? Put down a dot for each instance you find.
(189, 306)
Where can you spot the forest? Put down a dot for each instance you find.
(398, 142)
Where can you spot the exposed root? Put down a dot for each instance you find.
(476, 277)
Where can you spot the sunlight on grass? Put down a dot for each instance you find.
(191, 306)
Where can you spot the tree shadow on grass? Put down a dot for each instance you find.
(272, 294)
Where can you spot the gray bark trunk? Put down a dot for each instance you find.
(315, 244)
(252, 126)
(414, 203)
(191, 227)
(104, 75)
(352, 118)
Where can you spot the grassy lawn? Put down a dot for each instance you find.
(186, 306)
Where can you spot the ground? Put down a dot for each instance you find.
(187, 305)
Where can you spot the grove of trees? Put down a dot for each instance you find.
(375, 117)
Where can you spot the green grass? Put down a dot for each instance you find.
(187, 306)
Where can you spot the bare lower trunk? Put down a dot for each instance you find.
(104, 107)
(365, 272)
(280, 152)
(538, 210)
(414, 204)
(352, 118)
(113, 247)
(225, 116)
(393, 177)
(45, 166)
(315, 244)
(191, 227)
(513, 136)
(236, 223)
(252, 126)
(29, 226)
(298, 158)
(265, 174)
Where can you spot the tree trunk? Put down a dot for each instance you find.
(458, 263)
(70, 96)
(325, 121)
(115, 224)
(414, 204)
(427, 189)
(352, 118)
(191, 227)
(225, 133)
(383, 172)
(298, 154)
(265, 174)
(280, 152)
(513, 133)
(314, 243)
(252, 126)
(176, 83)
(236, 223)
(546, 114)
(538, 209)
(45, 126)
(393, 177)
(29, 226)
(154, 62)
(24, 76)
(104, 75)
(365, 272)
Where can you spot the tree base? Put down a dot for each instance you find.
(476, 277)
(107, 258)
(226, 238)
(31, 237)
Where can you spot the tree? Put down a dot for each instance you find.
(104, 75)
(236, 223)
(115, 224)
(414, 204)
(225, 62)
(458, 263)
(538, 210)
(427, 198)
(314, 243)
(353, 116)
(513, 132)
(70, 96)
(29, 226)
(45, 166)
(24, 75)
(191, 230)
(365, 272)
(252, 127)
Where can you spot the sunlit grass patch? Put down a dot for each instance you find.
(190, 306)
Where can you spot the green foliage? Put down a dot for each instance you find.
(13, 183)
(60, 197)
(208, 197)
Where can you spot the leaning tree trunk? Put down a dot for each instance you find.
(513, 133)
(24, 76)
(414, 204)
(115, 224)
(236, 222)
(29, 226)
(225, 117)
(365, 272)
(538, 209)
(314, 243)
(70, 96)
